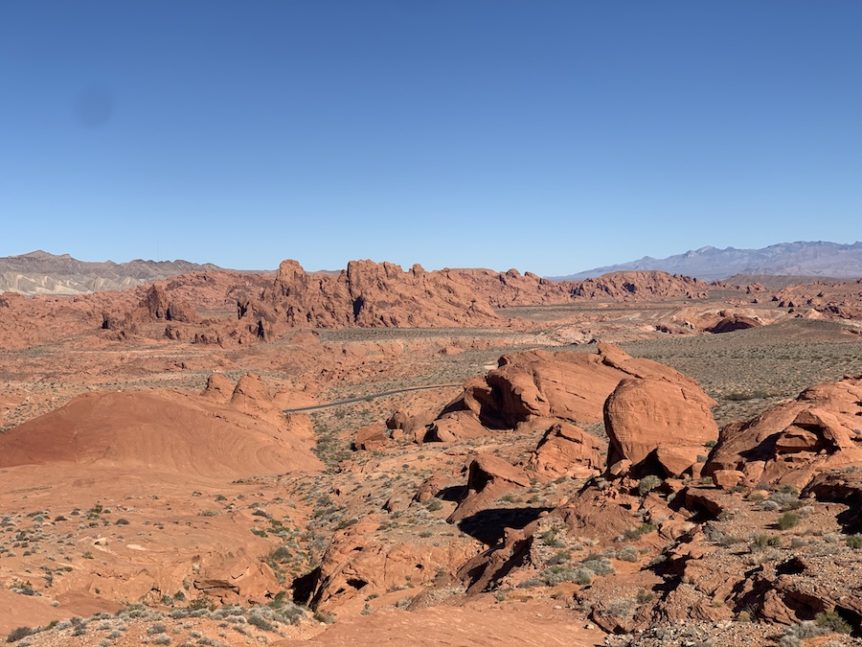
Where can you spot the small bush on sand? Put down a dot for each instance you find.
(788, 520)
(648, 483)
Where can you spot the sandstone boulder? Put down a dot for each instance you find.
(357, 564)
(370, 438)
(488, 479)
(567, 450)
(660, 426)
(219, 388)
(458, 425)
(570, 386)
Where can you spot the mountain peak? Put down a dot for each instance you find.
(799, 258)
(41, 254)
(41, 272)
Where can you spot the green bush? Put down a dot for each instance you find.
(762, 541)
(19, 634)
(598, 565)
(260, 623)
(831, 620)
(788, 520)
(644, 596)
(648, 484)
(854, 541)
(635, 533)
(324, 617)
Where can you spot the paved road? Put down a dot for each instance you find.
(373, 396)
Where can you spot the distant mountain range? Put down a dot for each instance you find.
(40, 272)
(43, 273)
(710, 263)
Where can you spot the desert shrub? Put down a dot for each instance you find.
(804, 630)
(635, 533)
(559, 558)
(789, 640)
(620, 609)
(787, 501)
(833, 621)
(324, 617)
(644, 596)
(290, 613)
(583, 576)
(19, 634)
(598, 565)
(550, 538)
(854, 541)
(260, 622)
(762, 541)
(648, 483)
(788, 520)
(628, 554)
(558, 574)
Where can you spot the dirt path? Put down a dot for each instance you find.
(366, 398)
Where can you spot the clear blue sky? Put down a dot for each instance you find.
(548, 136)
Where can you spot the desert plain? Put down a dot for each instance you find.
(381, 456)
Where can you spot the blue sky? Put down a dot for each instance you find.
(548, 136)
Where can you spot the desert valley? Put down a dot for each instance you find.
(381, 456)
(342, 420)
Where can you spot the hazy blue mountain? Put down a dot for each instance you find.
(711, 263)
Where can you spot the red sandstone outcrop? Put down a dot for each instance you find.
(791, 442)
(842, 485)
(570, 386)
(356, 565)
(158, 431)
(732, 323)
(488, 479)
(627, 286)
(374, 294)
(567, 450)
(658, 426)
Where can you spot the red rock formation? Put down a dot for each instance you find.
(627, 286)
(659, 426)
(570, 386)
(567, 450)
(733, 323)
(168, 432)
(357, 565)
(488, 479)
(375, 294)
(791, 442)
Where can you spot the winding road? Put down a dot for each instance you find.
(372, 396)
